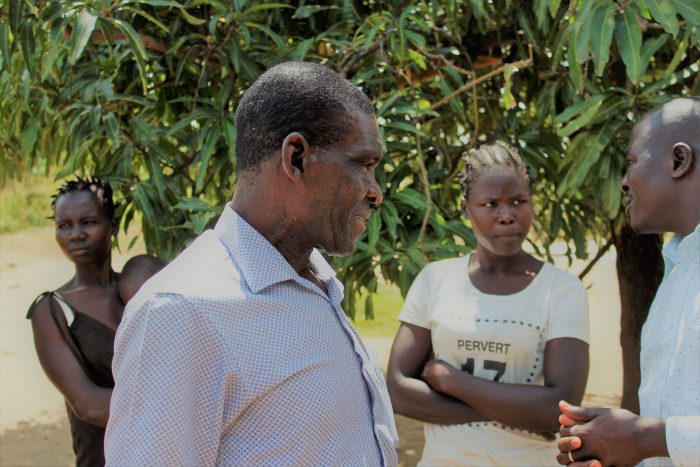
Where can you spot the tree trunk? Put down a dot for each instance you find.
(640, 269)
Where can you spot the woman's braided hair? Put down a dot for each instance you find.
(488, 156)
(101, 189)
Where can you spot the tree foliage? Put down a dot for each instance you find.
(142, 92)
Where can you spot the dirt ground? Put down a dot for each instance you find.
(33, 425)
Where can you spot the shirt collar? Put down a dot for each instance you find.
(261, 264)
(682, 249)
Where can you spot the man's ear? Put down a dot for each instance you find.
(683, 156)
(294, 149)
(115, 227)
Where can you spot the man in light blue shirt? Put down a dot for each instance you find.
(238, 352)
(662, 189)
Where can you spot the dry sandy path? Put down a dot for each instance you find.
(33, 426)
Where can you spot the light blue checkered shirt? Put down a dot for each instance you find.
(229, 357)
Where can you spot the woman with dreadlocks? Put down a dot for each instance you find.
(489, 343)
(74, 326)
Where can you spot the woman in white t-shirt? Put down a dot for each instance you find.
(491, 342)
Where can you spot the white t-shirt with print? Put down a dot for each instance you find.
(496, 337)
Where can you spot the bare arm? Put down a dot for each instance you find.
(410, 395)
(524, 406)
(88, 401)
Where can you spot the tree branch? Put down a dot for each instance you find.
(520, 64)
(423, 172)
(149, 42)
(597, 257)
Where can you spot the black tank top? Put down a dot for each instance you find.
(92, 344)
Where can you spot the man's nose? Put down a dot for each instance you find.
(624, 184)
(374, 193)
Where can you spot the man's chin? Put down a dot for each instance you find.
(340, 250)
(642, 228)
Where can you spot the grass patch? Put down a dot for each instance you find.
(26, 203)
(387, 305)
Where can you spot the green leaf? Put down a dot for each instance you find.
(582, 119)
(612, 107)
(677, 58)
(164, 3)
(197, 114)
(556, 219)
(479, 11)
(279, 42)
(5, 44)
(649, 48)
(302, 49)
(155, 169)
(601, 36)
(417, 257)
(663, 13)
(369, 307)
(585, 152)
(628, 37)
(417, 58)
(149, 17)
(390, 217)
(143, 203)
(524, 23)
(224, 96)
(405, 126)
(193, 20)
(265, 6)
(575, 73)
(230, 137)
(457, 227)
(53, 11)
(205, 155)
(56, 47)
(82, 32)
(305, 11)
(194, 204)
(29, 136)
(579, 108)
(411, 198)
(583, 30)
(28, 45)
(415, 38)
(388, 104)
(553, 7)
(111, 128)
(540, 7)
(144, 131)
(577, 232)
(137, 48)
(689, 9)
(686, 73)
(374, 225)
(611, 196)
(16, 10)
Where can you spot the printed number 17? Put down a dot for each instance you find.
(499, 367)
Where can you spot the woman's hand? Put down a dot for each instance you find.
(411, 392)
(438, 374)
